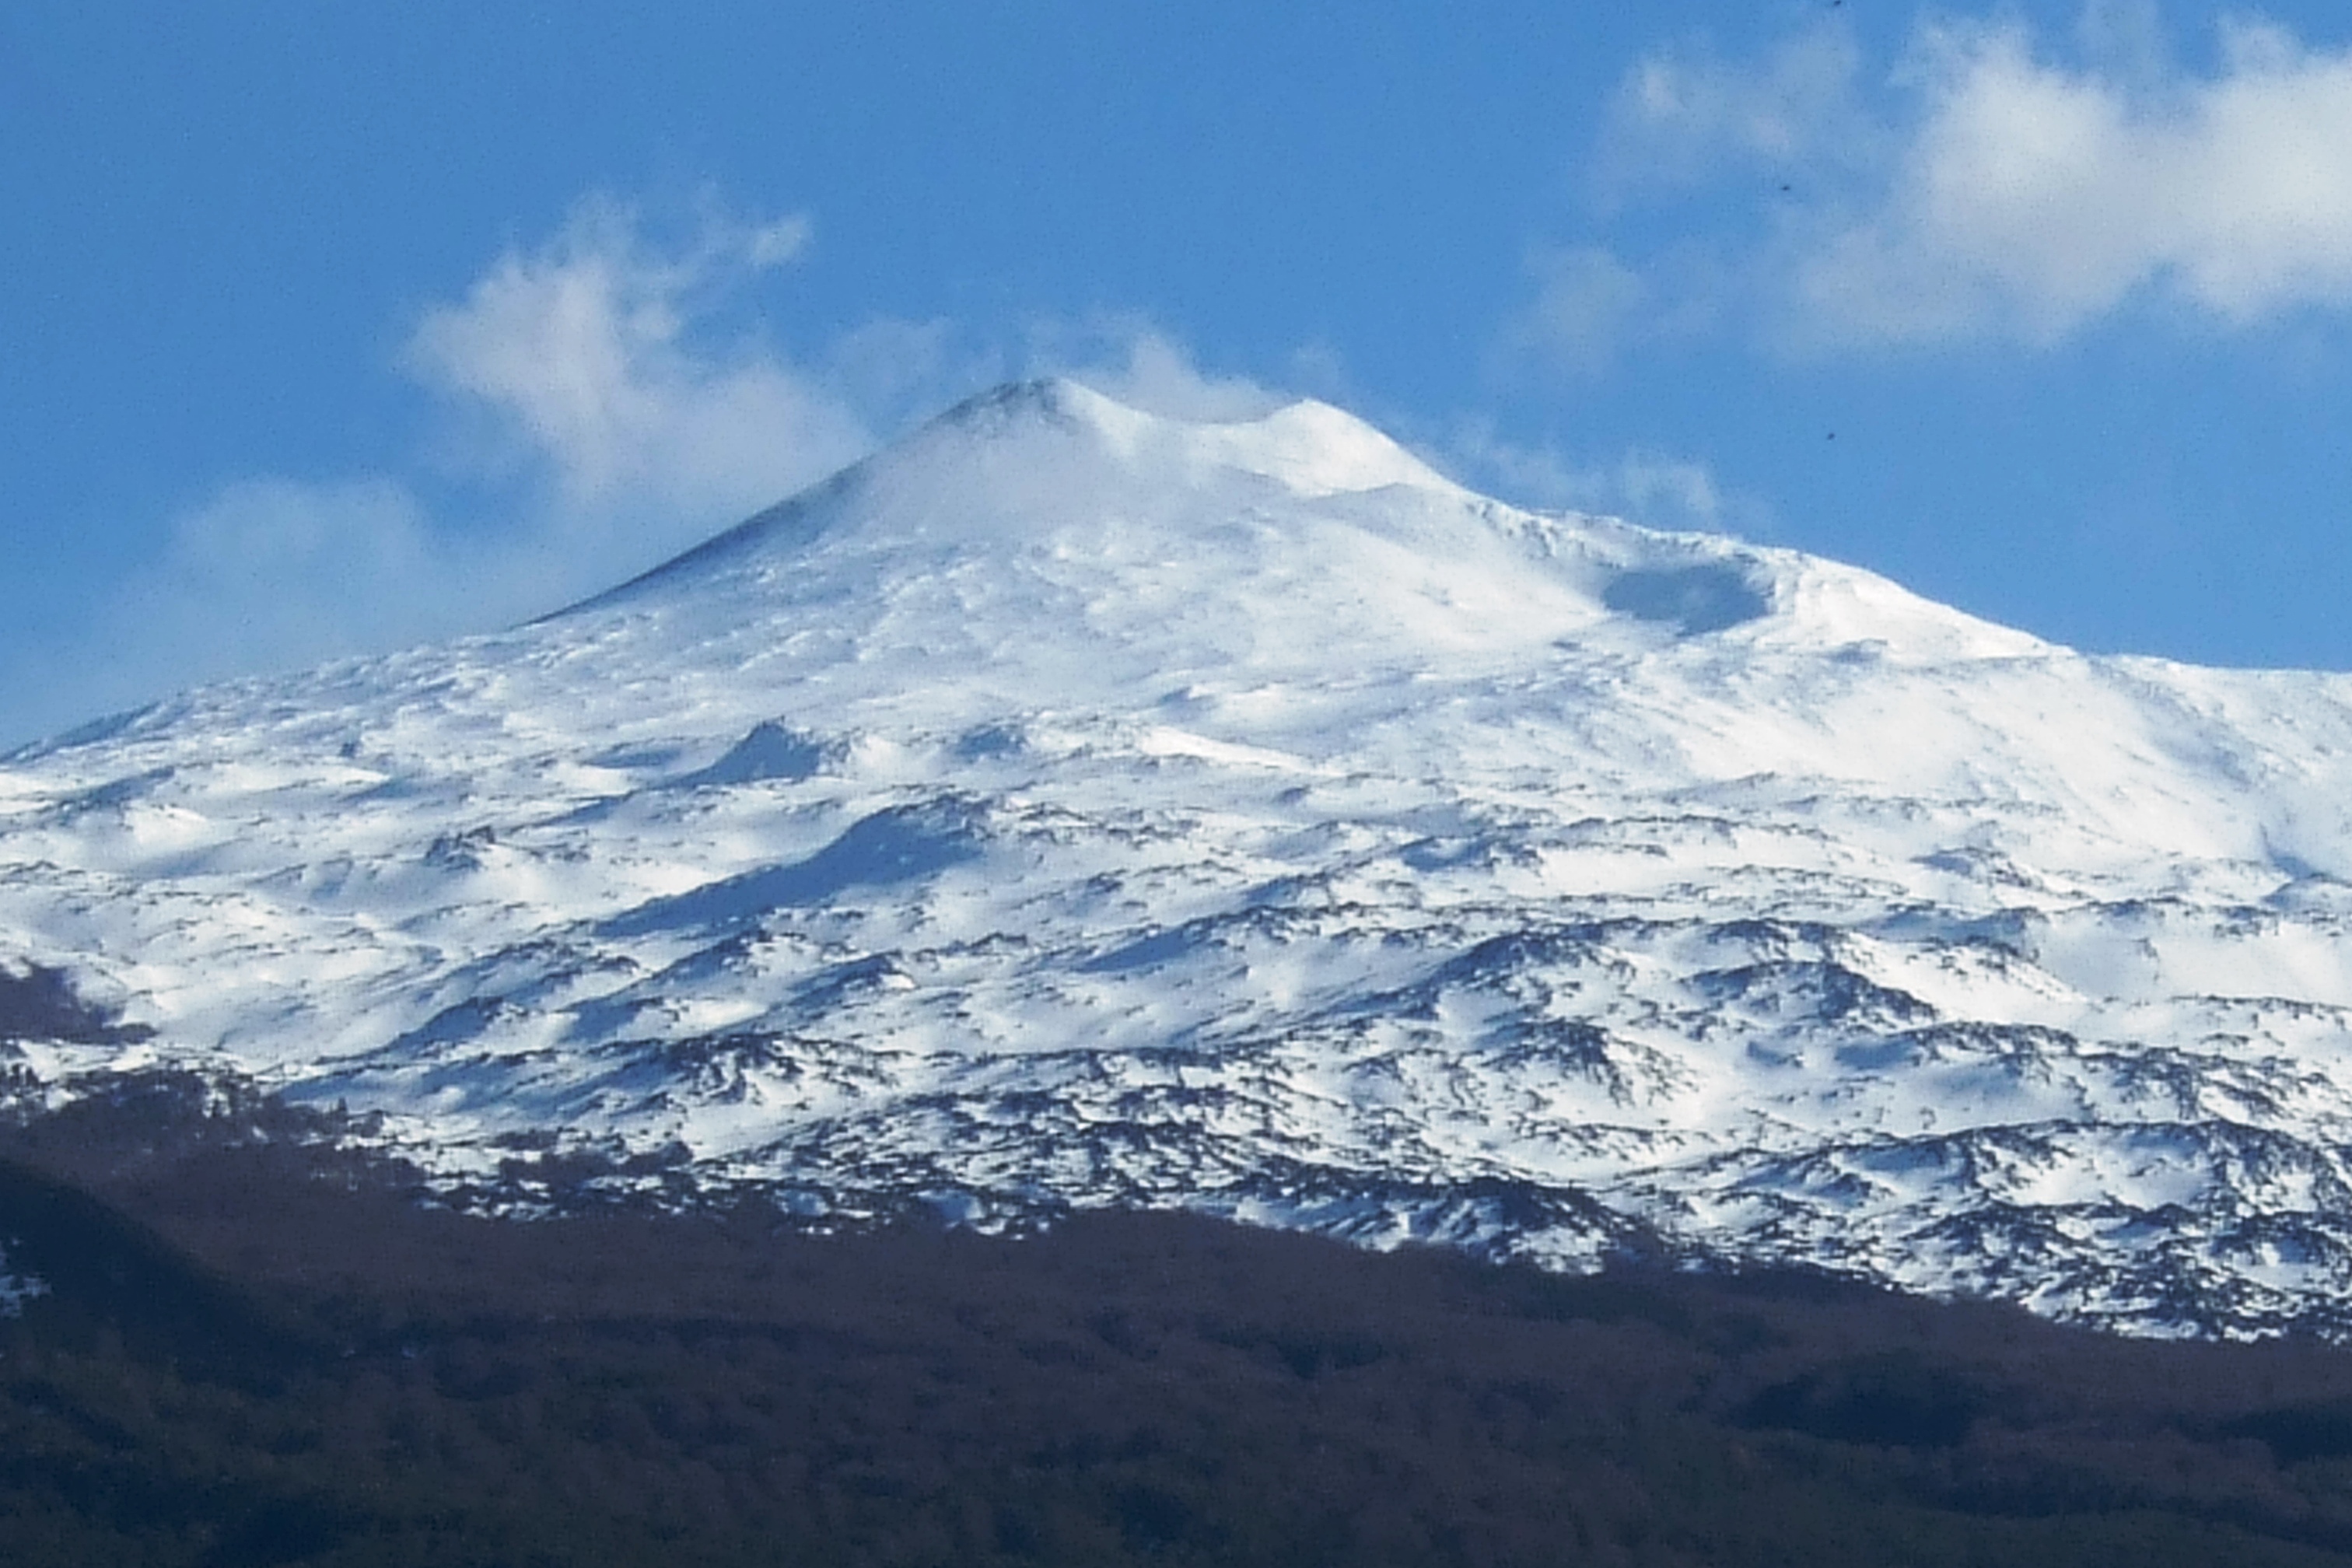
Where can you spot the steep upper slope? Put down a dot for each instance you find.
(1069, 805)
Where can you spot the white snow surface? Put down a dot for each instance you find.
(1073, 807)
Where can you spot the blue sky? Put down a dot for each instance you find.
(331, 328)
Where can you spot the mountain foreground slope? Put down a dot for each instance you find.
(1070, 807)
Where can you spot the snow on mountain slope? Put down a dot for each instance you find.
(1073, 807)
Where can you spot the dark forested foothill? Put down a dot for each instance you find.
(227, 1347)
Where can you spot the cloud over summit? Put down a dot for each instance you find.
(584, 354)
(604, 397)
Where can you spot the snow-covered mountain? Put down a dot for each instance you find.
(1074, 806)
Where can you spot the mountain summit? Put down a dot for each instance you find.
(1070, 807)
(1304, 542)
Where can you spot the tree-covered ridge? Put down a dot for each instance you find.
(246, 1353)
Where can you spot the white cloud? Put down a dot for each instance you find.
(1673, 491)
(265, 574)
(591, 367)
(2036, 198)
(1130, 358)
(271, 567)
(1681, 116)
(583, 355)
(1588, 306)
(894, 371)
(605, 414)
(1997, 190)
(1654, 488)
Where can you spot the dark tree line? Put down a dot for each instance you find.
(253, 1352)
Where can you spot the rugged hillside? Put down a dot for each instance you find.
(1074, 808)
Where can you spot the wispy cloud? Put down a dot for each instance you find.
(1657, 490)
(604, 398)
(1685, 117)
(1133, 359)
(590, 356)
(269, 570)
(1588, 306)
(602, 415)
(1992, 184)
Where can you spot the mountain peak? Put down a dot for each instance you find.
(1047, 515)
(1310, 447)
(1074, 805)
(1053, 471)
